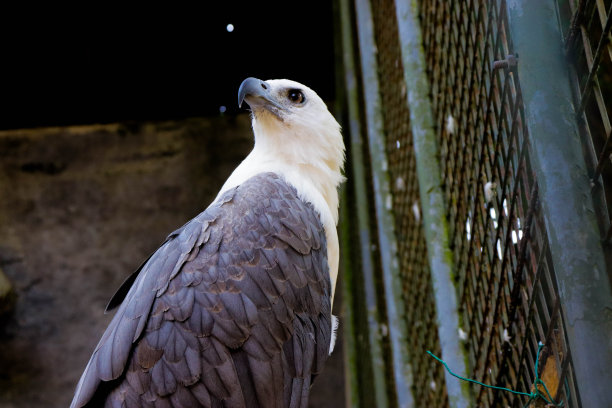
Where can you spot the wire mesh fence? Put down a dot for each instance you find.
(500, 244)
(588, 44)
(505, 278)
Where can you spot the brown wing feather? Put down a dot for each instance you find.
(233, 310)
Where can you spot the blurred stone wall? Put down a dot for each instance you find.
(80, 209)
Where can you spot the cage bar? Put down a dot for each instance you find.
(523, 156)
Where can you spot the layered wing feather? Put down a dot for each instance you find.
(233, 310)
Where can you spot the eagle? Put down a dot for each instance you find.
(234, 308)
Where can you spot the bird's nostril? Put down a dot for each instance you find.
(263, 85)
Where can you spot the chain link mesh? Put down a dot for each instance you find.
(505, 277)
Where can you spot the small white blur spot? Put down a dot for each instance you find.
(490, 191)
(416, 211)
(451, 125)
(506, 337)
(400, 185)
(222, 109)
(468, 232)
(229, 28)
(389, 202)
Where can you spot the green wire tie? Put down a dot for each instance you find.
(532, 396)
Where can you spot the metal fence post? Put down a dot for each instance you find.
(402, 375)
(380, 382)
(577, 252)
(432, 200)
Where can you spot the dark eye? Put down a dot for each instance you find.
(295, 96)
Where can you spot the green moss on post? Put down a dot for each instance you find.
(432, 200)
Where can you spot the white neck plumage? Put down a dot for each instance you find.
(314, 172)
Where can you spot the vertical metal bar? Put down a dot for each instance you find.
(351, 368)
(359, 178)
(402, 373)
(577, 253)
(594, 63)
(342, 38)
(432, 200)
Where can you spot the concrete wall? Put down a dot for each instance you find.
(82, 207)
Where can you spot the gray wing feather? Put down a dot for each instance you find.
(233, 310)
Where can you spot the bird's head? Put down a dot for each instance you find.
(292, 122)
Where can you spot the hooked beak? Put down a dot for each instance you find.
(257, 93)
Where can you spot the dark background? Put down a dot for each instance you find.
(82, 206)
(81, 65)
